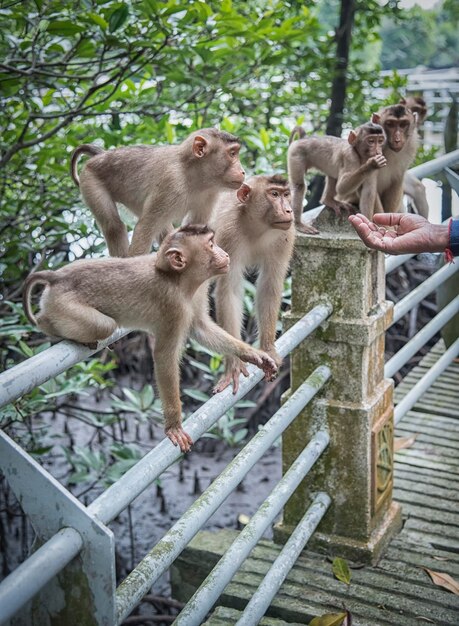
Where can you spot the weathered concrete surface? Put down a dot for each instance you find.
(356, 405)
(397, 592)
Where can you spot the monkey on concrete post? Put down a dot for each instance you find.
(255, 225)
(412, 186)
(158, 185)
(400, 126)
(88, 299)
(358, 185)
(335, 157)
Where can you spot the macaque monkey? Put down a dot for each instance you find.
(336, 158)
(412, 186)
(417, 105)
(400, 126)
(255, 225)
(88, 299)
(157, 184)
(358, 185)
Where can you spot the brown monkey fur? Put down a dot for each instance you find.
(358, 185)
(412, 186)
(255, 226)
(400, 126)
(158, 184)
(335, 157)
(88, 299)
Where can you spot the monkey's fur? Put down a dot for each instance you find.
(255, 225)
(158, 184)
(88, 299)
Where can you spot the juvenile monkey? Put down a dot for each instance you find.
(88, 299)
(255, 226)
(157, 184)
(412, 186)
(400, 126)
(335, 157)
(358, 185)
(417, 105)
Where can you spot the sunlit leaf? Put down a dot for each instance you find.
(331, 619)
(118, 17)
(444, 580)
(341, 570)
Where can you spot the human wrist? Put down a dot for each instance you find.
(439, 237)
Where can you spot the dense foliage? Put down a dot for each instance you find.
(149, 71)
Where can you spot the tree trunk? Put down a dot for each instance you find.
(343, 43)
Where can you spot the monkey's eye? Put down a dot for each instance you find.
(233, 153)
(275, 193)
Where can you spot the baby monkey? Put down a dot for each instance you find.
(357, 179)
(88, 299)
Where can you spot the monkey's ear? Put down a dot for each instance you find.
(243, 193)
(200, 146)
(416, 117)
(376, 118)
(176, 259)
(352, 137)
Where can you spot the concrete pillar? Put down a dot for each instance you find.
(356, 405)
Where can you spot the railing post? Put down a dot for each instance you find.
(356, 405)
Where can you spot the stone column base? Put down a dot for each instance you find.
(368, 552)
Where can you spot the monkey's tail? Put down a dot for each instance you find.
(38, 278)
(298, 130)
(85, 148)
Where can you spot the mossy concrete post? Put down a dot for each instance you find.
(356, 405)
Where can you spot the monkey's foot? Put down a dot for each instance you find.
(231, 376)
(264, 362)
(308, 229)
(340, 207)
(92, 345)
(179, 438)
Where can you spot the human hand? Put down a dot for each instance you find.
(411, 234)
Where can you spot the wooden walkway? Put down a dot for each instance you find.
(398, 591)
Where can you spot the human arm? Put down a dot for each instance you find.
(410, 234)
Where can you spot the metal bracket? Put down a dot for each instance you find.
(51, 507)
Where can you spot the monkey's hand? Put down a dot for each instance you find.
(340, 207)
(263, 361)
(234, 367)
(179, 438)
(308, 229)
(377, 162)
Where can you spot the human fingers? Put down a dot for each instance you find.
(387, 219)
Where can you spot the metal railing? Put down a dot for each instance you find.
(82, 529)
(431, 168)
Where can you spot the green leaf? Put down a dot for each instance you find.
(331, 619)
(341, 570)
(196, 394)
(118, 17)
(99, 20)
(25, 349)
(64, 28)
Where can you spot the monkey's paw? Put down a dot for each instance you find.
(307, 229)
(231, 376)
(179, 438)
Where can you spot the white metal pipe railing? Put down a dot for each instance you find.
(34, 573)
(117, 497)
(423, 290)
(263, 596)
(43, 366)
(426, 381)
(205, 597)
(436, 165)
(421, 338)
(161, 557)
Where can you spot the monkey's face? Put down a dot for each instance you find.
(279, 212)
(373, 145)
(399, 124)
(228, 171)
(218, 261)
